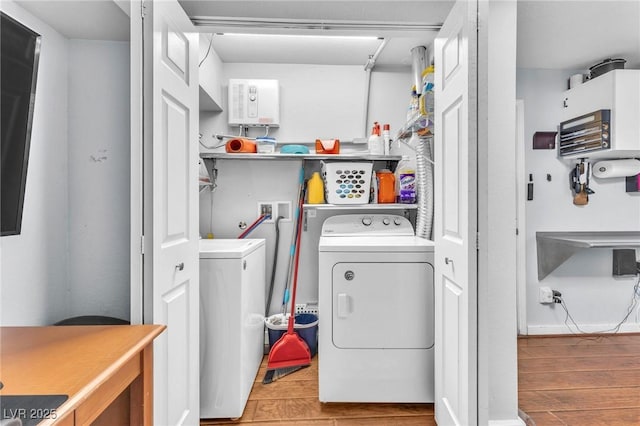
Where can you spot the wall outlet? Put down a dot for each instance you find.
(546, 295)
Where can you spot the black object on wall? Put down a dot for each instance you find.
(19, 55)
(624, 262)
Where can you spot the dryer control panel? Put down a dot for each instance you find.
(367, 225)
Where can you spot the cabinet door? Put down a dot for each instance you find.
(588, 97)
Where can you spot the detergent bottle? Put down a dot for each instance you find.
(315, 188)
(405, 176)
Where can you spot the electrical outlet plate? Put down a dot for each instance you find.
(304, 308)
(546, 295)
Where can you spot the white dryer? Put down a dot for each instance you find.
(376, 304)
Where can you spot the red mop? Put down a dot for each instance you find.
(290, 352)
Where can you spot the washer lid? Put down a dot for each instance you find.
(363, 244)
(218, 248)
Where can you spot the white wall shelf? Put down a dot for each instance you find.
(210, 158)
(310, 156)
(554, 248)
(395, 206)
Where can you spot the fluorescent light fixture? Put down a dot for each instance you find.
(308, 24)
(332, 37)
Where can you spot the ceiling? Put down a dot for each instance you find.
(556, 34)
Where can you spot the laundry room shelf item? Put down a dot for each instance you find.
(554, 248)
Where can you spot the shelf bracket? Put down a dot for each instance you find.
(554, 248)
(210, 165)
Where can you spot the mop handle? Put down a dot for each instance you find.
(292, 248)
(296, 262)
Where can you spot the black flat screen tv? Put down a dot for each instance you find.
(19, 55)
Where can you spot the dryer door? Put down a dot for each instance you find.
(382, 305)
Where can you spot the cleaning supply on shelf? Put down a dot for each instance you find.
(405, 176)
(386, 137)
(376, 143)
(412, 110)
(426, 100)
(386, 186)
(315, 189)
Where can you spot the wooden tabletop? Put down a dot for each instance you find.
(67, 360)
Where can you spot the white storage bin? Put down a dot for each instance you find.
(347, 182)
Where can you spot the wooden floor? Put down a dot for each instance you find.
(580, 380)
(293, 400)
(563, 380)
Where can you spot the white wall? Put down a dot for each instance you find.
(33, 265)
(72, 256)
(99, 156)
(596, 300)
(319, 101)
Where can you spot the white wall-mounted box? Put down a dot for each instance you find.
(618, 91)
(254, 103)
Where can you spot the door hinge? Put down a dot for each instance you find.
(477, 241)
(141, 244)
(143, 9)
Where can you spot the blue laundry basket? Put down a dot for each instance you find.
(306, 325)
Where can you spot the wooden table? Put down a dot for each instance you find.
(96, 366)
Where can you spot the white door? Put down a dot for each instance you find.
(170, 205)
(456, 217)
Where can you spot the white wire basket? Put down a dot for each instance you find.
(347, 182)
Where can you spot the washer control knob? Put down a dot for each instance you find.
(386, 220)
(397, 221)
(366, 221)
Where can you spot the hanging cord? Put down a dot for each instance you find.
(632, 306)
(210, 147)
(208, 50)
(273, 269)
(254, 225)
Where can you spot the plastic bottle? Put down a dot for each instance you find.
(315, 188)
(427, 96)
(405, 175)
(412, 111)
(386, 186)
(386, 137)
(376, 143)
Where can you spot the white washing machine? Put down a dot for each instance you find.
(232, 298)
(376, 304)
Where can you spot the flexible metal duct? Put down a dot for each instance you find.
(424, 187)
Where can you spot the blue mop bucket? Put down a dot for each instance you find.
(306, 325)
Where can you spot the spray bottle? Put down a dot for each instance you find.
(386, 137)
(376, 143)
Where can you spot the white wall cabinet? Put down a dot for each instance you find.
(618, 91)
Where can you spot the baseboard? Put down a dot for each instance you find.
(541, 330)
(510, 422)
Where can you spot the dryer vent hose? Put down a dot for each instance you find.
(424, 187)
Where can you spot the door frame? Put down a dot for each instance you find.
(137, 169)
(521, 223)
